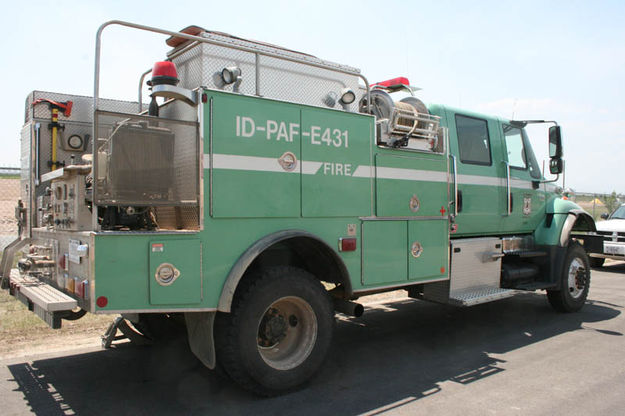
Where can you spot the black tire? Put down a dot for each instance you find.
(75, 314)
(596, 261)
(278, 333)
(574, 281)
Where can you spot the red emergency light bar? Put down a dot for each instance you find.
(393, 83)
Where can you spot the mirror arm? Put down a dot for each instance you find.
(551, 180)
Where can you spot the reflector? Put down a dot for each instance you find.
(347, 244)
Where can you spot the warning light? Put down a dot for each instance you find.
(393, 83)
(347, 244)
(164, 72)
(102, 301)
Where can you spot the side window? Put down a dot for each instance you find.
(514, 147)
(473, 140)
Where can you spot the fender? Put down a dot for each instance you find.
(563, 216)
(246, 259)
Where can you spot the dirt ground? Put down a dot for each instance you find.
(23, 333)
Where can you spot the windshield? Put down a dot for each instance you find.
(619, 213)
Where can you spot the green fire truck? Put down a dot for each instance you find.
(259, 190)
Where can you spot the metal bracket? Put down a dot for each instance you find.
(170, 91)
(120, 323)
(492, 257)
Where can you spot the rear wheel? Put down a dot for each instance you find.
(574, 281)
(278, 332)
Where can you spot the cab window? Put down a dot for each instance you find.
(514, 147)
(473, 140)
(519, 151)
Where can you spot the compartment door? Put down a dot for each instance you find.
(384, 252)
(182, 257)
(428, 250)
(336, 172)
(256, 161)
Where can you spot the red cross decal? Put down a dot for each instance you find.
(442, 211)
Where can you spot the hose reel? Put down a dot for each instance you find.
(406, 123)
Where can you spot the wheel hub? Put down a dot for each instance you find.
(287, 332)
(272, 328)
(577, 278)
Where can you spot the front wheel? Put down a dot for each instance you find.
(574, 281)
(278, 332)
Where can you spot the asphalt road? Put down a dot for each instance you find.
(514, 356)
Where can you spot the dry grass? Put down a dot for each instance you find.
(21, 331)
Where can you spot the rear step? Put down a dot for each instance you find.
(45, 301)
(475, 296)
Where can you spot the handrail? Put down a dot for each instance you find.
(453, 161)
(98, 46)
(508, 190)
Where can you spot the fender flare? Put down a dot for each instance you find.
(577, 218)
(245, 260)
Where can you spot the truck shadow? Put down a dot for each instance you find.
(617, 267)
(398, 352)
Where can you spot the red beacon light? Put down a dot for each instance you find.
(164, 72)
(393, 84)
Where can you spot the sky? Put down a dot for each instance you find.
(556, 60)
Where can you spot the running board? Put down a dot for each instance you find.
(45, 301)
(475, 296)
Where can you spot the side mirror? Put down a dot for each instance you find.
(556, 166)
(555, 142)
(605, 215)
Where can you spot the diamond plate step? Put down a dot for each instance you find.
(41, 294)
(475, 296)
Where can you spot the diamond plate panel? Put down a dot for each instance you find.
(480, 295)
(278, 78)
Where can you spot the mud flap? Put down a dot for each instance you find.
(200, 333)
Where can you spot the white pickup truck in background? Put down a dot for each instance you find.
(613, 231)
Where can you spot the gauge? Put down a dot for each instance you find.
(75, 142)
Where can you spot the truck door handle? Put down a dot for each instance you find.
(459, 201)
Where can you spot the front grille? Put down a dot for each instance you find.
(613, 236)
